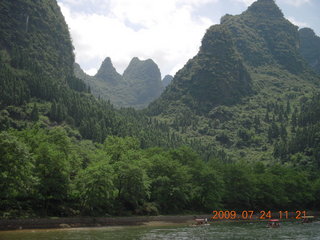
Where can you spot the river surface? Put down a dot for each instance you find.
(218, 230)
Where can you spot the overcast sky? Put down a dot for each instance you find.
(167, 31)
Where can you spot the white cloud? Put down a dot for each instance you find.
(247, 2)
(297, 23)
(92, 71)
(166, 31)
(296, 3)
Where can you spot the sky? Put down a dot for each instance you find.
(167, 31)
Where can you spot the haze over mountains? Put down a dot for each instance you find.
(260, 47)
(167, 80)
(310, 48)
(139, 85)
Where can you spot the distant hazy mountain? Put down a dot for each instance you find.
(166, 80)
(108, 73)
(140, 84)
(310, 47)
(145, 80)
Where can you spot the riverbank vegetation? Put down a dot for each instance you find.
(49, 172)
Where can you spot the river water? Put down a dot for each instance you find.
(217, 230)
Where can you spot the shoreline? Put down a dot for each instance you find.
(84, 222)
(91, 222)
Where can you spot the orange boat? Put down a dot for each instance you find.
(307, 219)
(201, 221)
(273, 223)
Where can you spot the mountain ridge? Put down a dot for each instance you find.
(277, 75)
(258, 37)
(139, 85)
(108, 73)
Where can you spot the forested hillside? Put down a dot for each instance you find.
(27, 29)
(237, 128)
(38, 88)
(240, 93)
(43, 78)
(250, 93)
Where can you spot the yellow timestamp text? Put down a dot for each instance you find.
(262, 215)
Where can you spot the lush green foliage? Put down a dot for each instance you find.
(70, 103)
(50, 172)
(302, 149)
(209, 100)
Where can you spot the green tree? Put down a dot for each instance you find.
(269, 192)
(298, 189)
(116, 146)
(131, 181)
(16, 171)
(95, 188)
(316, 192)
(210, 185)
(240, 188)
(171, 186)
(34, 113)
(52, 167)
